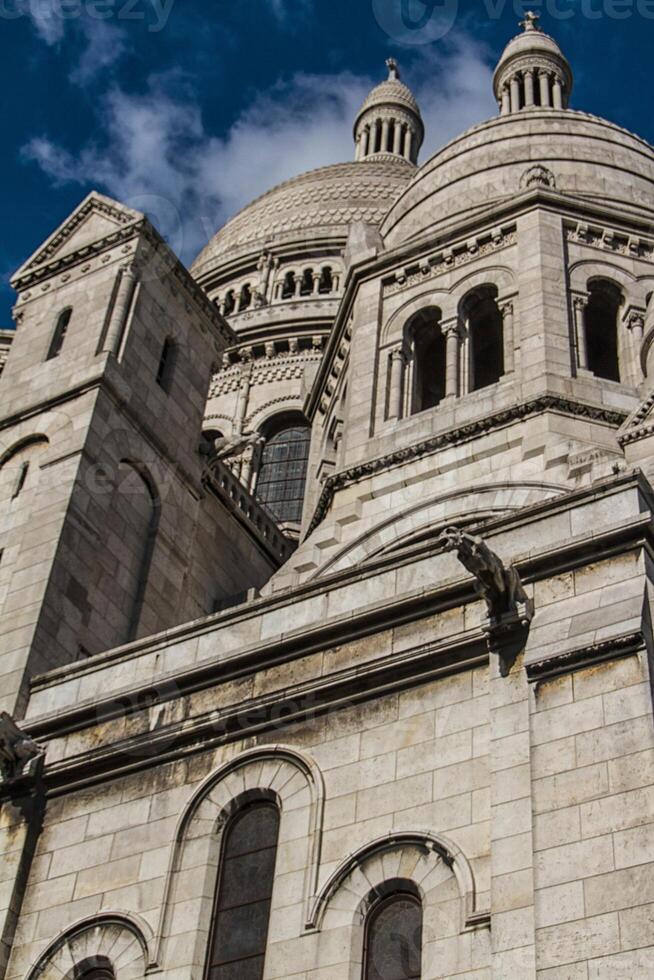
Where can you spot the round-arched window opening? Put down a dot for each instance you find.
(428, 356)
(601, 325)
(393, 938)
(486, 331)
(95, 968)
(283, 467)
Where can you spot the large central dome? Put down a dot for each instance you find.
(321, 204)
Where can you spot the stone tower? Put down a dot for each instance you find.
(108, 534)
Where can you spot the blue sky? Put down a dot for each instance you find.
(187, 109)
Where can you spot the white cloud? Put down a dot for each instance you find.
(100, 43)
(156, 155)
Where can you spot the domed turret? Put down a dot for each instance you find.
(532, 72)
(389, 123)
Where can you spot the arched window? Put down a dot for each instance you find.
(246, 297)
(283, 468)
(306, 287)
(486, 332)
(239, 929)
(601, 324)
(229, 303)
(59, 334)
(166, 366)
(95, 968)
(393, 938)
(428, 359)
(326, 280)
(19, 470)
(288, 288)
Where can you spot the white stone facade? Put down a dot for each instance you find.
(476, 733)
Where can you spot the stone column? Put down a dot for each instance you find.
(558, 93)
(316, 282)
(580, 303)
(386, 125)
(397, 143)
(515, 94)
(408, 141)
(120, 312)
(545, 97)
(242, 401)
(506, 101)
(298, 284)
(636, 326)
(530, 92)
(396, 385)
(452, 334)
(506, 309)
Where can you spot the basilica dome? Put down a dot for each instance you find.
(314, 207)
(575, 153)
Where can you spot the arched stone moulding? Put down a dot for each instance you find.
(277, 772)
(123, 938)
(447, 297)
(473, 504)
(422, 857)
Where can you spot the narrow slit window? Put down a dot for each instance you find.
(59, 335)
(166, 365)
(21, 479)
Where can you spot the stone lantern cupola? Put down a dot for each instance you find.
(389, 124)
(532, 73)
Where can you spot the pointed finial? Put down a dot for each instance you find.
(530, 23)
(393, 69)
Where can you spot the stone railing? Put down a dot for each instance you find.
(251, 512)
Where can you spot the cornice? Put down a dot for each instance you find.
(454, 437)
(587, 656)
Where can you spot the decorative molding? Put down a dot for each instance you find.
(453, 437)
(428, 844)
(608, 240)
(537, 176)
(284, 366)
(458, 254)
(588, 656)
(98, 935)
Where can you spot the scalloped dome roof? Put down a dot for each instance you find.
(391, 92)
(318, 204)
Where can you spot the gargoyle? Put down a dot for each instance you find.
(228, 448)
(510, 610)
(17, 749)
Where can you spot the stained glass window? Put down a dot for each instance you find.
(394, 939)
(283, 472)
(242, 911)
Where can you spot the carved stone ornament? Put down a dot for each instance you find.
(537, 176)
(510, 610)
(226, 448)
(18, 752)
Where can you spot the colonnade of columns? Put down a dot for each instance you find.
(385, 135)
(531, 88)
(457, 369)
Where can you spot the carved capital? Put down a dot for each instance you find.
(580, 303)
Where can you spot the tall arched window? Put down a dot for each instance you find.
(239, 929)
(428, 359)
(59, 335)
(283, 468)
(393, 938)
(306, 287)
(601, 324)
(288, 287)
(486, 332)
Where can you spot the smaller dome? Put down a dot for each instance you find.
(389, 122)
(533, 72)
(389, 93)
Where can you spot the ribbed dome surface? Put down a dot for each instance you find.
(587, 157)
(391, 92)
(318, 204)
